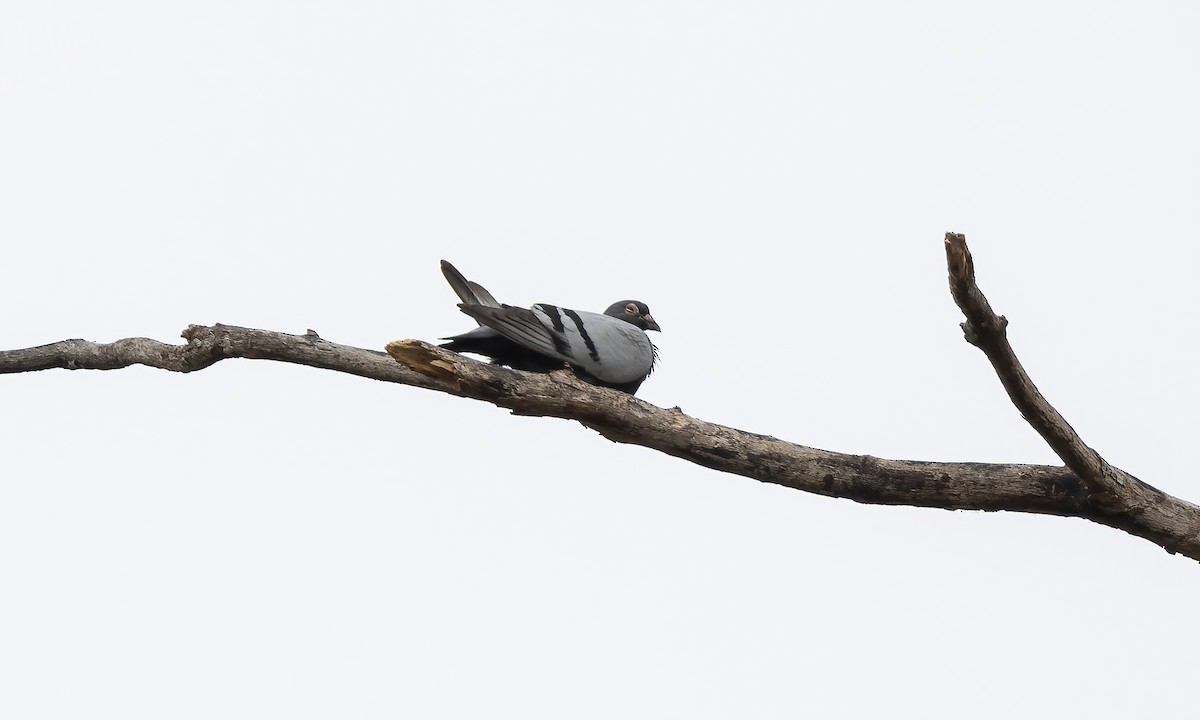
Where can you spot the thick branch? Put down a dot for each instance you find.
(624, 418)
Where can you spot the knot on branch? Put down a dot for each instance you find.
(980, 333)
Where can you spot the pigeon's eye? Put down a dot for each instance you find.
(631, 309)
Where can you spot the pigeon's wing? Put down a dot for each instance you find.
(471, 293)
(519, 325)
(485, 341)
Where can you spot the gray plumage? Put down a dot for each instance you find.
(609, 349)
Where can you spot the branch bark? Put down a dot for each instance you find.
(1087, 487)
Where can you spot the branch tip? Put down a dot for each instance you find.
(958, 258)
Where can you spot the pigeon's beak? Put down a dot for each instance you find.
(650, 324)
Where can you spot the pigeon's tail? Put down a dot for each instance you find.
(471, 293)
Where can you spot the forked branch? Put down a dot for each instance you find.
(1112, 496)
(1087, 487)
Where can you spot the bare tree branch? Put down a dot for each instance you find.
(1086, 488)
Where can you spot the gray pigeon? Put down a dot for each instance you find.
(607, 349)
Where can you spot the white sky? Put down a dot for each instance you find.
(774, 179)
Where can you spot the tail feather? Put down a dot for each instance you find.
(471, 293)
(481, 293)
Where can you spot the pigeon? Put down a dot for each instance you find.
(609, 349)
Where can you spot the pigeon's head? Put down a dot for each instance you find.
(634, 312)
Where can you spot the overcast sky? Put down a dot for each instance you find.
(773, 179)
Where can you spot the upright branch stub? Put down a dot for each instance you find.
(987, 331)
